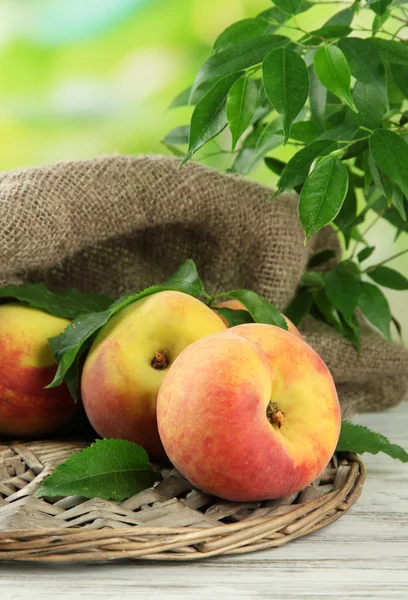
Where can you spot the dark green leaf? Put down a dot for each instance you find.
(299, 307)
(209, 117)
(398, 327)
(327, 32)
(400, 75)
(322, 194)
(375, 308)
(66, 346)
(333, 70)
(240, 31)
(366, 64)
(397, 200)
(267, 139)
(289, 6)
(108, 469)
(234, 317)
(296, 171)
(360, 439)
(260, 309)
(68, 304)
(379, 6)
(365, 253)
(351, 331)
(370, 106)
(348, 211)
(320, 258)
(343, 17)
(343, 291)
(274, 165)
(313, 279)
(388, 277)
(241, 105)
(391, 51)
(178, 136)
(384, 185)
(241, 56)
(379, 21)
(327, 310)
(286, 82)
(390, 152)
(317, 99)
(304, 131)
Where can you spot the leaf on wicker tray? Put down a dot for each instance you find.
(108, 469)
(68, 304)
(360, 439)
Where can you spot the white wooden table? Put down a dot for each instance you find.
(363, 555)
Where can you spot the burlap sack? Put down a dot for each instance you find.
(116, 224)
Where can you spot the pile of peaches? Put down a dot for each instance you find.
(244, 413)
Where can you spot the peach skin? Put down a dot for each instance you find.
(26, 366)
(249, 414)
(131, 356)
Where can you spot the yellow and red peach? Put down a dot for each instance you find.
(129, 359)
(26, 367)
(237, 305)
(249, 414)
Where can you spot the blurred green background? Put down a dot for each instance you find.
(80, 78)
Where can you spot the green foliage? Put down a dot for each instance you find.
(360, 439)
(108, 469)
(339, 101)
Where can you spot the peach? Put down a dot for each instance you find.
(26, 366)
(236, 305)
(131, 356)
(249, 414)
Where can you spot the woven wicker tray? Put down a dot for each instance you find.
(172, 521)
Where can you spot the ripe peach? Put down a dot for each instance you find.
(26, 366)
(236, 305)
(129, 359)
(249, 414)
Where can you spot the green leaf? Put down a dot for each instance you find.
(327, 310)
(299, 307)
(182, 99)
(286, 81)
(375, 308)
(366, 64)
(317, 99)
(241, 56)
(260, 309)
(348, 211)
(234, 317)
(379, 21)
(67, 346)
(321, 258)
(240, 31)
(388, 277)
(241, 105)
(343, 291)
(177, 136)
(379, 6)
(274, 165)
(370, 106)
(266, 139)
(390, 152)
(391, 51)
(108, 469)
(289, 6)
(313, 279)
(398, 327)
(397, 200)
(67, 304)
(365, 253)
(322, 195)
(209, 117)
(275, 16)
(360, 439)
(328, 32)
(333, 70)
(296, 171)
(304, 131)
(400, 75)
(343, 17)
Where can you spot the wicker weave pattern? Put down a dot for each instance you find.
(172, 521)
